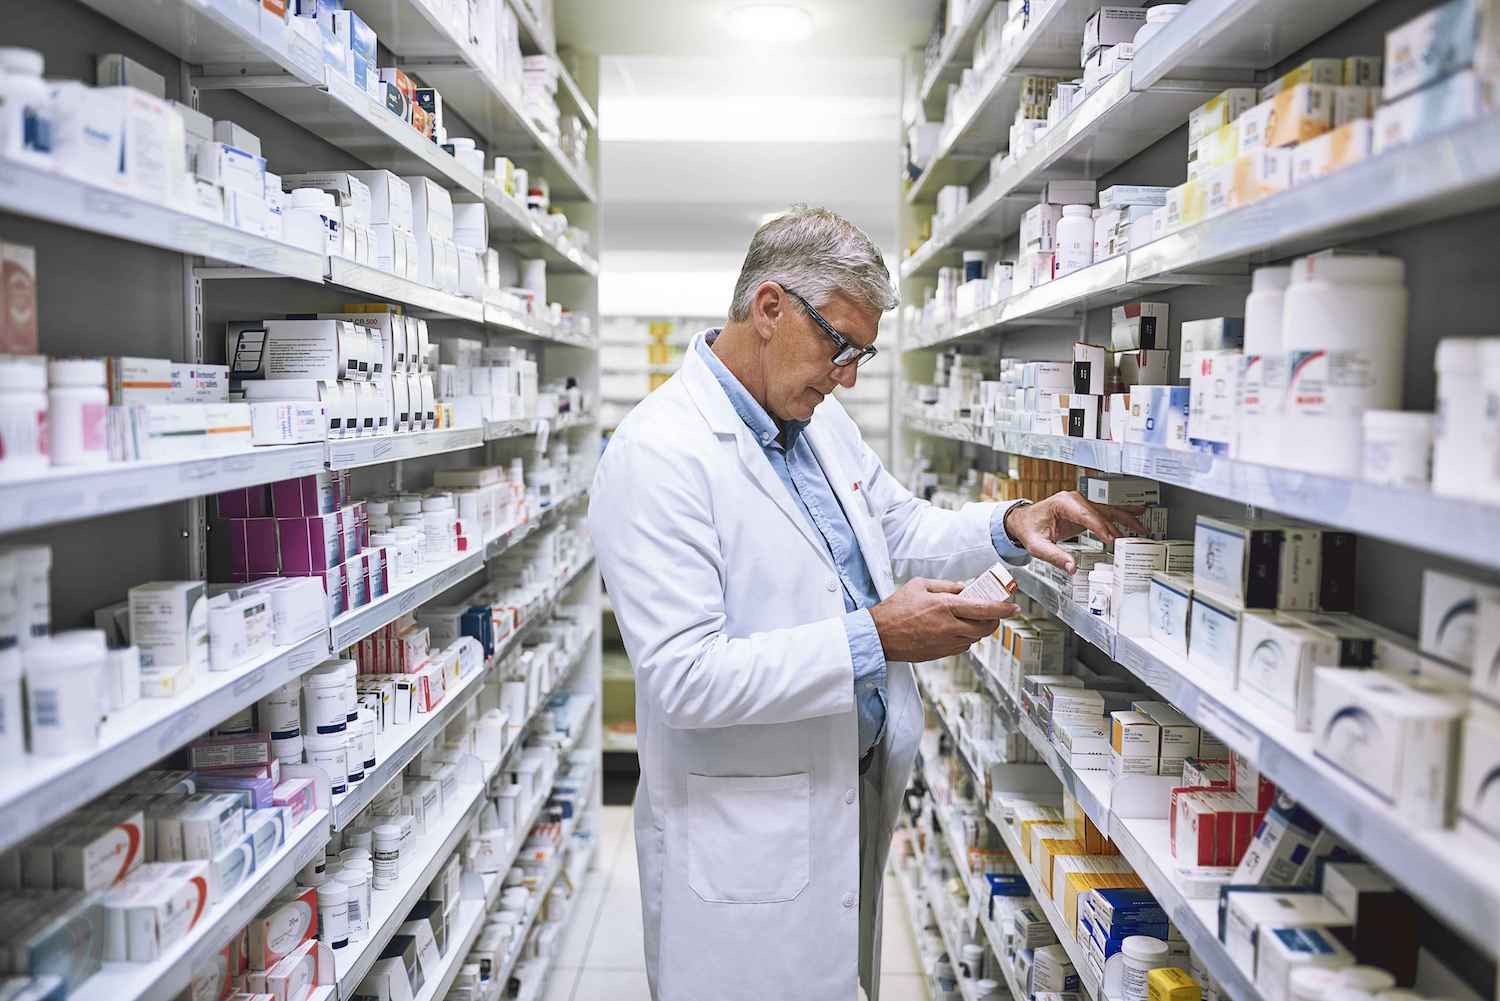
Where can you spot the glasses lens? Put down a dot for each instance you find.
(866, 356)
(846, 355)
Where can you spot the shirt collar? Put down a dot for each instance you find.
(762, 425)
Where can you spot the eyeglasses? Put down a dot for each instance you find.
(846, 352)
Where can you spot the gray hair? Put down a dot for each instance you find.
(815, 253)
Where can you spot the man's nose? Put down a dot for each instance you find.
(846, 375)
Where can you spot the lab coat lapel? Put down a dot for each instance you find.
(855, 509)
(719, 412)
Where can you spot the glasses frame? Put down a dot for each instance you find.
(843, 345)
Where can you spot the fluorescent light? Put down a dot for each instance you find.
(770, 22)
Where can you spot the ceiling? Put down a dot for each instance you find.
(698, 27)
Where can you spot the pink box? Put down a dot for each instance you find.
(296, 795)
(310, 545)
(349, 526)
(304, 496)
(253, 547)
(359, 580)
(377, 571)
(258, 790)
(246, 502)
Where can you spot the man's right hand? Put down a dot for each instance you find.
(927, 620)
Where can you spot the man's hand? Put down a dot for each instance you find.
(927, 620)
(1063, 516)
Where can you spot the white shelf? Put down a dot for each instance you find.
(394, 288)
(36, 791)
(955, 52)
(344, 116)
(512, 223)
(1450, 174)
(388, 908)
(437, 577)
(464, 930)
(70, 493)
(523, 427)
(1049, 46)
(41, 194)
(503, 319)
(200, 32)
(1463, 529)
(1444, 869)
(909, 895)
(427, 48)
(349, 453)
(1109, 127)
(168, 977)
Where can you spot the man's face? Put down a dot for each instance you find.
(800, 371)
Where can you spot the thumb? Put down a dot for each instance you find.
(944, 586)
(1051, 552)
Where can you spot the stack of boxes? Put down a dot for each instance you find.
(370, 366)
(487, 383)
(1108, 43)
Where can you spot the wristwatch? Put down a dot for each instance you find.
(1005, 521)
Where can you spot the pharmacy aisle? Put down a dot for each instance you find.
(300, 675)
(1214, 261)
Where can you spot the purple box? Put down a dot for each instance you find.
(310, 545)
(305, 496)
(377, 571)
(359, 580)
(253, 547)
(246, 502)
(258, 791)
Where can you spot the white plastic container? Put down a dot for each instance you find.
(288, 750)
(1138, 956)
(330, 752)
(25, 130)
(1371, 979)
(23, 417)
(309, 220)
(1398, 447)
(323, 701)
(63, 679)
(78, 410)
(1311, 983)
(1343, 326)
(1156, 19)
(1464, 438)
(354, 765)
(1264, 376)
(280, 713)
(357, 882)
(386, 855)
(1075, 239)
(1101, 589)
(333, 913)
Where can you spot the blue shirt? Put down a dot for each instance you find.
(798, 469)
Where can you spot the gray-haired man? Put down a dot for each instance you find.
(750, 541)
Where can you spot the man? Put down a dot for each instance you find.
(749, 539)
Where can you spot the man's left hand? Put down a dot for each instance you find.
(1041, 526)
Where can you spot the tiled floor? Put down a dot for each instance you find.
(601, 958)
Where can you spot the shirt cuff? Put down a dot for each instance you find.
(1009, 551)
(865, 649)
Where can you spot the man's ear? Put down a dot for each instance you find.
(767, 307)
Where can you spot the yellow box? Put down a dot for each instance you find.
(1219, 147)
(1025, 827)
(1169, 983)
(1048, 851)
(1217, 185)
(1332, 151)
(1300, 113)
(1362, 71)
(1095, 840)
(1217, 111)
(1329, 71)
(1259, 174)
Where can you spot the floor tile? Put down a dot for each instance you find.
(585, 915)
(612, 985)
(560, 983)
(618, 941)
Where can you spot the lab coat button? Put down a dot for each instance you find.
(832, 584)
(849, 796)
(848, 900)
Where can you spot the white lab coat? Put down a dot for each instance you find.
(748, 817)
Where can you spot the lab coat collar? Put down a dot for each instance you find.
(714, 403)
(767, 429)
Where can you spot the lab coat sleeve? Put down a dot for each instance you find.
(927, 541)
(652, 521)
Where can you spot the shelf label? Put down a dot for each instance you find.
(249, 682)
(342, 456)
(183, 726)
(304, 659)
(410, 600)
(54, 506)
(122, 493)
(1239, 735)
(238, 464)
(382, 449)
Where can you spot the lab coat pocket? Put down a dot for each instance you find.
(749, 837)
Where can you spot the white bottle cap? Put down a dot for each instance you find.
(1366, 978)
(22, 375)
(76, 372)
(1458, 354)
(1270, 279)
(1144, 948)
(23, 62)
(1086, 211)
(1345, 269)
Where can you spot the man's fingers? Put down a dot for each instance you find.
(1126, 517)
(1084, 513)
(1052, 553)
(943, 586)
(985, 611)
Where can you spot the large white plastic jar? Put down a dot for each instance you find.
(1343, 326)
(25, 107)
(1075, 239)
(78, 412)
(23, 417)
(1264, 374)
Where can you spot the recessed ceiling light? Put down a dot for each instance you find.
(769, 22)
